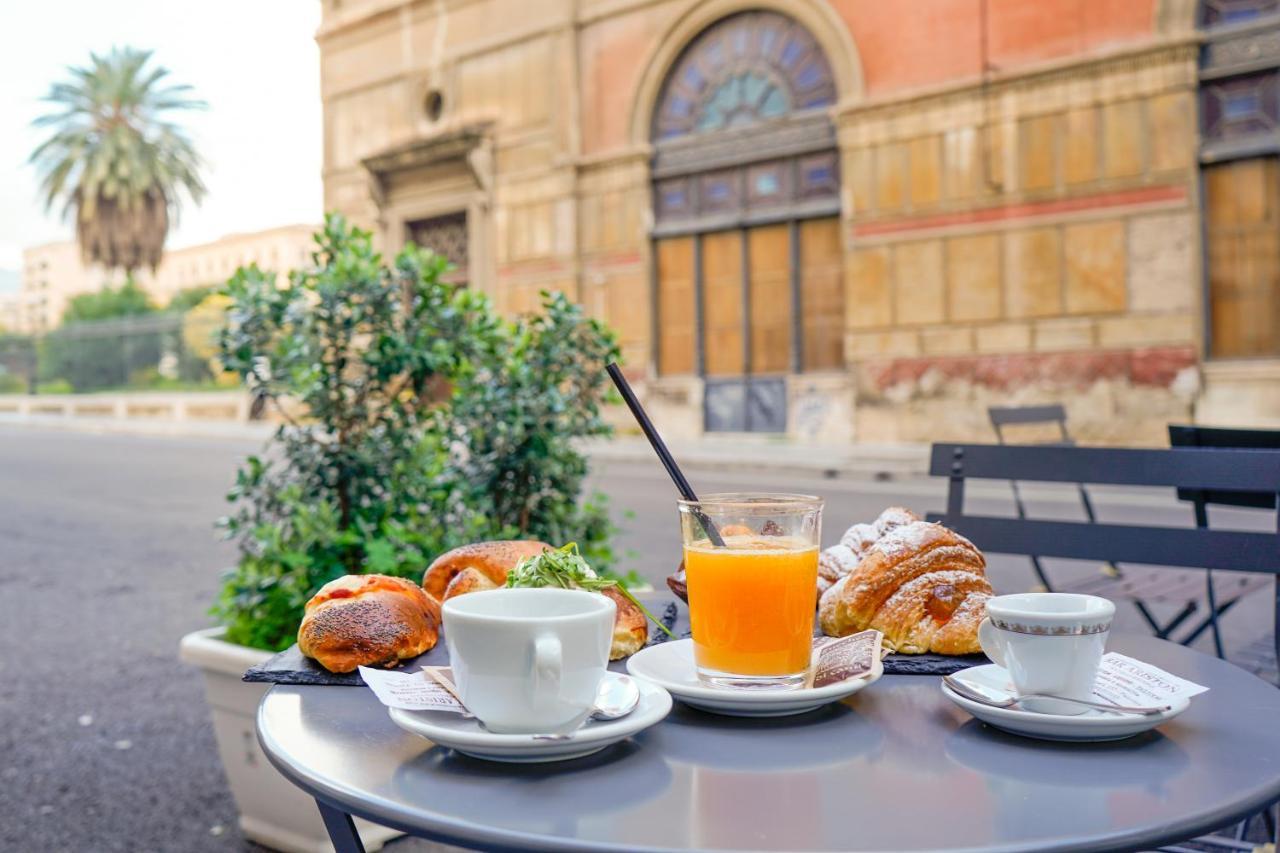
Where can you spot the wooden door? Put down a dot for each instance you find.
(822, 294)
(769, 282)
(1242, 232)
(677, 313)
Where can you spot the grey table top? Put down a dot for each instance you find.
(894, 767)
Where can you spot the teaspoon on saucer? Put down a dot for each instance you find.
(1013, 701)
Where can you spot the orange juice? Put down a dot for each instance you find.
(751, 604)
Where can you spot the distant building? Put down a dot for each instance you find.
(53, 274)
(846, 219)
(279, 249)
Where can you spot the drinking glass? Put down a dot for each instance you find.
(752, 598)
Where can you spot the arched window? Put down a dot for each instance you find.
(746, 199)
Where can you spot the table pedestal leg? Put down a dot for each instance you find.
(342, 830)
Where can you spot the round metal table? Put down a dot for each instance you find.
(894, 767)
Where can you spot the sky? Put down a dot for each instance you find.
(254, 61)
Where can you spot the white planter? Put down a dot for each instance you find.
(273, 811)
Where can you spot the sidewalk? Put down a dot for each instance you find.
(739, 453)
(714, 453)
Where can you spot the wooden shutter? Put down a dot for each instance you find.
(822, 294)
(722, 303)
(676, 312)
(769, 259)
(1243, 236)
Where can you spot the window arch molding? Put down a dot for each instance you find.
(823, 23)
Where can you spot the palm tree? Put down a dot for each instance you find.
(115, 158)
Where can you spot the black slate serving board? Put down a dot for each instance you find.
(293, 667)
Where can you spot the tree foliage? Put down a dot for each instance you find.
(416, 419)
(115, 159)
(127, 300)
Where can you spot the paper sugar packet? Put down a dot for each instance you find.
(842, 658)
(1125, 681)
(411, 691)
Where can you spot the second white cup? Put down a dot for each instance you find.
(1050, 642)
(529, 660)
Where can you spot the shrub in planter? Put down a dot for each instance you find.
(429, 422)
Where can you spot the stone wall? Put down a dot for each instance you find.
(1029, 237)
(1029, 240)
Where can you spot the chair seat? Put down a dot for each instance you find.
(1168, 585)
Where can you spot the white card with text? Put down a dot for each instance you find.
(410, 691)
(1125, 681)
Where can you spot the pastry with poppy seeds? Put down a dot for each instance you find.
(368, 620)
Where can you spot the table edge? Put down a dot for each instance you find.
(467, 834)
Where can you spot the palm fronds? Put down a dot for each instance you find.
(115, 160)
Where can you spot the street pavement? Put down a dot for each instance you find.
(108, 556)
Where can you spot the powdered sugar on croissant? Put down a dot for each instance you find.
(922, 585)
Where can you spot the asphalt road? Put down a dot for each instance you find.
(108, 556)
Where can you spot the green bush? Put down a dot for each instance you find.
(429, 422)
(55, 386)
(11, 383)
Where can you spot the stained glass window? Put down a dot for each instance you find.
(749, 68)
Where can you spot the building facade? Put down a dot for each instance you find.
(846, 220)
(53, 274)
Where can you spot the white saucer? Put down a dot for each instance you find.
(465, 735)
(994, 681)
(670, 665)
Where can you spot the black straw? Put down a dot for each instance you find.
(660, 447)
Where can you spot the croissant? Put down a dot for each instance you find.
(922, 585)
(838, 560)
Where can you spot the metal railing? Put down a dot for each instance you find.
(165, 351)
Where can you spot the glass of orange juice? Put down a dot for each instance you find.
(751, 566)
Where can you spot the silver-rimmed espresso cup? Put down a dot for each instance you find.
(529, 660)
(1050, 642)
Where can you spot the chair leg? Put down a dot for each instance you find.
(1040, 574)
(1212, 596)
(342, 829)
(1162, 632)
(1211, 621)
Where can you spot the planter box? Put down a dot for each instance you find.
(273, 812)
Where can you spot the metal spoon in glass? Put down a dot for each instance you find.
(615, 698)
(983, 699)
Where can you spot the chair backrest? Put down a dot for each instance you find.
(1184, 468)
(1052, 413)
(1246, 439)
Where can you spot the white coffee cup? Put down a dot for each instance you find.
(529, 660)
(1050, 642)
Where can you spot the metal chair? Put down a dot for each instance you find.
(1205, 470)
(1239, 586)
(1144, 588)
(1052, 413)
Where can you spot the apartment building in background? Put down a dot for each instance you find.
(846, 220)
(52, 274)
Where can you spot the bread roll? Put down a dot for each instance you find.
(368, 620)
(484, 565)
(491, 560)
(922, 585)
(469, 580)
(630, 627)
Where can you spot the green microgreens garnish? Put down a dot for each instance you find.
(566, 568)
